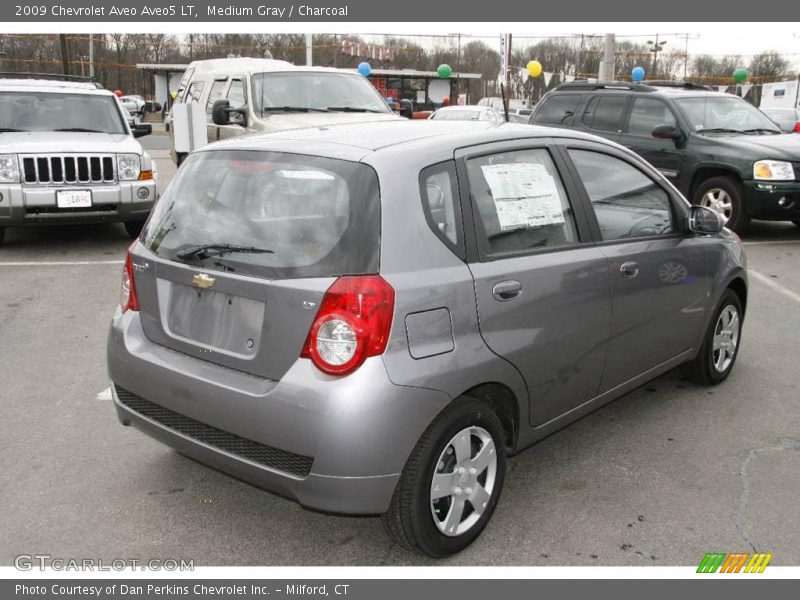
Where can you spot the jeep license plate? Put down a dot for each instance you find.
(74, 199)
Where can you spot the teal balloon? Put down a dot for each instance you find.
(740, 75)
(444, 71)
(364, 69)
(637, 74)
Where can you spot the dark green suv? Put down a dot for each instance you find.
(717, 149)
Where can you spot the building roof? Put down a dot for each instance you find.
(415, 73)
(161, 67)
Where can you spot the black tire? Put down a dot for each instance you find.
(134, 228)
(410, 520)
(796, 222)
(2, 235)
(702, 368)
(738, 220)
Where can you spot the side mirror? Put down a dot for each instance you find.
(221, 113)
(141, 129)
(667, 132)
(704, 220)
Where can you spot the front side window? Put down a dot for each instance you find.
(300, 216)
(520, 202)
(46, 111)
(213, 95)
(315, 91)
(626, 202)
(194, 92)
(558, 110)
(237, 99)
(647, 114)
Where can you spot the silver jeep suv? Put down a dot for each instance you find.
(370, 318)
(68, 155)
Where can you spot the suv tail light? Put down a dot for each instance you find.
(796, 127)
(353, 323)
(127, 290)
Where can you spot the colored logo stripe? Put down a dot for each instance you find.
(758, 563)
(733, 563)
(711, 562)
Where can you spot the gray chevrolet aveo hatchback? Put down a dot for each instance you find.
(370, 318)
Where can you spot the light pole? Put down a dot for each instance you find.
(655, 48)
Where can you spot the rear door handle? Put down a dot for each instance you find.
(506, 290)
(629, 269)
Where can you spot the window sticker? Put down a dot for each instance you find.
(525, 195)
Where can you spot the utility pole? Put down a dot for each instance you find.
(64, 53)
(606, 71)
(191, 47)
(91, 55)
(308, 49)
(655, 48)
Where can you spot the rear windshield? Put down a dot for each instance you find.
(297, 216)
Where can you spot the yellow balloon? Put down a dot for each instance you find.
(534, 68)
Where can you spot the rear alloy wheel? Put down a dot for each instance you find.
(134, 228)
(724, 196)
(717, 355)
(451, 483)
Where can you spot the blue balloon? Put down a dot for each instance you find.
(389, 99)
(364, 69)
(637, 74)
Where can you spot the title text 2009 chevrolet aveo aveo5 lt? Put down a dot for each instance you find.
(370, 318)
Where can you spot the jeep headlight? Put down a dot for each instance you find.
(9, 168)
(128, 167)
(773, 170)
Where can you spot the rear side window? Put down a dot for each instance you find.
(604, 113)
(626, 202)
(558, 109)
(214, 95)
(306, 216)
(520, 203)
(439, 191)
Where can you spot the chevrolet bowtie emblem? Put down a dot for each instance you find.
(202, 280)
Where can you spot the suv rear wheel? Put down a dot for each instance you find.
(2, 235)
(723, 194)
(451, 483)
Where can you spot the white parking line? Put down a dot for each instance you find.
(61, 263)
(771, 243)
(777, 287)
(105, 395)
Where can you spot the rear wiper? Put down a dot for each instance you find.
(720, 130)
(351, 109)
(80, 130)
(205, 250)
(291, 109)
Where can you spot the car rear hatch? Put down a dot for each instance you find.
(241, 249)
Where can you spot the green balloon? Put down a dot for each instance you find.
(739, 75)
(444, 71)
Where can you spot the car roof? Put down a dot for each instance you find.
(354, 141)
(644, 90)
(50, 85)
(225, 66)
(472, 107)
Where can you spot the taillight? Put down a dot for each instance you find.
(796, 127)
(127, 291)
(353, 323)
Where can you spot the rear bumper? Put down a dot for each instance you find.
(772, 201)
(352, 435)
(23, 205)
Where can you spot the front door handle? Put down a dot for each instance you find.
(629, 269)
(506, 290)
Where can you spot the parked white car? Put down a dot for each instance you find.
(468, 113)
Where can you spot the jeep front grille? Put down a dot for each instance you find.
(68, 169)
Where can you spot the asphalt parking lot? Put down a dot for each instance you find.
(659, 477)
